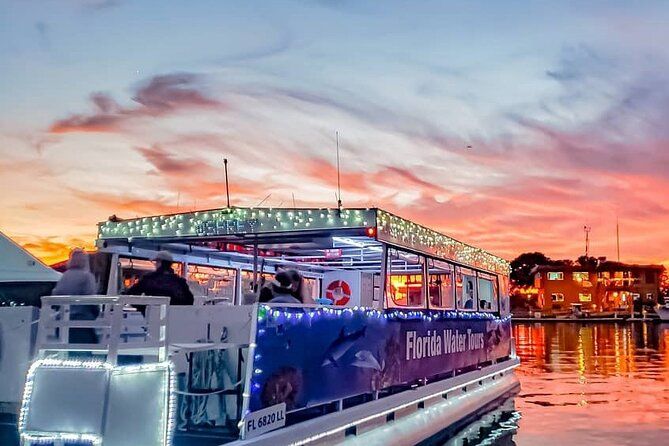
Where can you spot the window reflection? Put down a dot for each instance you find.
(404, 287)
(487, 292)
(441, 284)
(211, 284)
(465, 289)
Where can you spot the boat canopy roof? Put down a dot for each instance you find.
(18, 265)
(306, 230)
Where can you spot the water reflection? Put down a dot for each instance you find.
(594, 384)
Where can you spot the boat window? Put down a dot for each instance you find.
(404, 286)
(134, 269)
(247, 280)
(465, 289)
(441, 284)
(210, 284)
(487, 292)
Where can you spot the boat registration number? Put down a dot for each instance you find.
(264, 420)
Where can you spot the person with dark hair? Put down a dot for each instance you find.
(282, 289)
(163, 282)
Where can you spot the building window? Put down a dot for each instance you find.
(557, 297)
(556, 275)
(580, 276)
(584, 297)
(650, 276)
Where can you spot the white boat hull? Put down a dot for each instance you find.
(416, 414)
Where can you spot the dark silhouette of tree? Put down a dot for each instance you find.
(587, 262)
(522, 266)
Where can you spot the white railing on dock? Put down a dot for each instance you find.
(120, 328)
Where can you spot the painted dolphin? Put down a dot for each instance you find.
(341, 345)
(366, 360)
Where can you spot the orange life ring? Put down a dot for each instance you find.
(339, 292)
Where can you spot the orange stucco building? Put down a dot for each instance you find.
(606, 287)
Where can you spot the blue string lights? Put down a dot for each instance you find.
(296, 314)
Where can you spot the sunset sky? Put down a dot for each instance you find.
(128, 107)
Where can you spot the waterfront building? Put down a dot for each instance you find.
(608, 286)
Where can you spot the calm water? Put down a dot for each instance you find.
(590, 384)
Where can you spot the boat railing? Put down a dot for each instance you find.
(124, 325)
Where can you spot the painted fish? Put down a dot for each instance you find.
(341, 345)
(366, 360)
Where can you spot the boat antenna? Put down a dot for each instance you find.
(227, 189)
(264, 199)
(338, 176)
(587, 230)
(293, 194)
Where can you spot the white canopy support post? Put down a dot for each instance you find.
(384, 274)
(255, 267)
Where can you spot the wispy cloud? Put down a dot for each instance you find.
(159, 96)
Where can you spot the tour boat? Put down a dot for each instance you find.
(414, 336)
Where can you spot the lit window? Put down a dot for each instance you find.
(557, 297)
(487, 292)
(440, 284)
(404, 286)
(580, 276)
(584, 297)
(556, 275)
(465, 289)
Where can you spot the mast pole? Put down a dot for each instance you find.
(227, 188)
(338, 175)
(618, 238)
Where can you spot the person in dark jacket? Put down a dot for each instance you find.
(282, 289)
(163, 282)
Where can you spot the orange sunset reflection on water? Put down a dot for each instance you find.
(595, 384)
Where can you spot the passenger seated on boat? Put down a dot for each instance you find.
(299, 291)
(282, 289)
(163, 282)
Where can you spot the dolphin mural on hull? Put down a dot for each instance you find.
(341, 345)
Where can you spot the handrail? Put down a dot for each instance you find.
(104, 299)
(111, 328)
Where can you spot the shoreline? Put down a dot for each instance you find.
(588, 320)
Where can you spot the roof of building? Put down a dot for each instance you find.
(267, 225)
(18, 265)
(602, 266)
